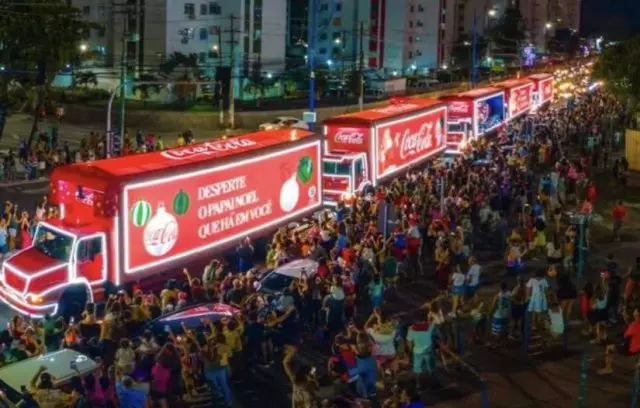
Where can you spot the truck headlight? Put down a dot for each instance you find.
(35, 299)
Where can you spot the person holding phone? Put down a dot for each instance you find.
(44, 393)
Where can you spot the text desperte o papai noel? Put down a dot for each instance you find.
(228, 204)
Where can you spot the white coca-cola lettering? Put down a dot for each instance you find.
(207, 148)
(414, 143)
(396, 108)
(161, 236)
(349, 136)
(458, 107)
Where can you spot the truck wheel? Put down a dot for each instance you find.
(72, 302)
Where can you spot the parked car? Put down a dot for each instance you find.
(276, 280)
(63, 365)
(284, 122)
(191, 317)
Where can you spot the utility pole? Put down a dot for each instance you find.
(232, 46)
(474, 46)
(138, 30)
(361, 69)
(311, 50)
(219, 82)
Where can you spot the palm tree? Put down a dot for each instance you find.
(186, 68)
(85, 78)
(144, 90)
(258, 88)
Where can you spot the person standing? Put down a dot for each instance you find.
(619, 215)
(537, 292)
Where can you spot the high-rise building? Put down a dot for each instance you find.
(396, 35)
(251, 32)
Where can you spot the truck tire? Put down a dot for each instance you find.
(72, 302)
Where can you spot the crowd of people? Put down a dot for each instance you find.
(518, 196)
(37, 157)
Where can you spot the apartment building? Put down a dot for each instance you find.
(396, 36)
(249, 32)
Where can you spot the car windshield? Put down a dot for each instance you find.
(276, 282)
(341, 169)
(275, 121)
(53, 243)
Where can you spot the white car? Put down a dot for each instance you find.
(284, 122)
(277, 280)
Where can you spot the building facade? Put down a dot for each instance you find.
(393, 36)
(252, 33)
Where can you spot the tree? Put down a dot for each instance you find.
(258, 88)
(619, 68)
(45, 34)
(509, 33)
(85, 78)
(321, 83)
(290, 87)
(461, 51)
(187, 69)
(144, 88)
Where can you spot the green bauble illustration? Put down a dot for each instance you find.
(305, 169)
(140, 213)
(181, 203)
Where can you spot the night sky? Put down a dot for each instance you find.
(613, 18)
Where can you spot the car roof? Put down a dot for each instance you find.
(58, 364)
(294, 268)
(211, 311)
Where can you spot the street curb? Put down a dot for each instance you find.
(24, 182)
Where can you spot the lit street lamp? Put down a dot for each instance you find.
(492, 13)
(83, 47)
(337, 40)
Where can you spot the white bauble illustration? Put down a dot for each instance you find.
(289, 194)
(160, 233)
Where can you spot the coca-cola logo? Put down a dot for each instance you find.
(349, 136)
(207, 148)
(397, 108)
(159, 240)
(458, 107)
(414, 143)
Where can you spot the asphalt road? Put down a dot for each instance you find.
(508, 376)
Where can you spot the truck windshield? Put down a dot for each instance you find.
(52, 243)
(341, 169)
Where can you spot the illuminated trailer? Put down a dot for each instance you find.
(125, 219)
(542, 88)
(518, 96)
(472, 114)
(366, 148)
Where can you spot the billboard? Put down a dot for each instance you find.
(520, 99)
(169, 218)
(489, 113)
(406, 141)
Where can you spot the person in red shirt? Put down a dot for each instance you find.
(592, 193)
(631, 345)
(619, 214)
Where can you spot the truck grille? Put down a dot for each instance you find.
(14, 281)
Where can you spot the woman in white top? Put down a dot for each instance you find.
(457, 282)
(537, 291)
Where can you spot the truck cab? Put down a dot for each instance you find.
(343, 175)
(62, 270)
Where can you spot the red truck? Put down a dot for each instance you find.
(366, 148)
(129, 219)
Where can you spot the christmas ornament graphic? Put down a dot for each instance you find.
(289, 194)
(181, 203)
(140, 213)
(161, 232)
(305, 169)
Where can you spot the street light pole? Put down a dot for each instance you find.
(123, 79)
(474, 45)
(311, 49)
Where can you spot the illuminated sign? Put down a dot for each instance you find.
(406, 141)
(171, 218)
